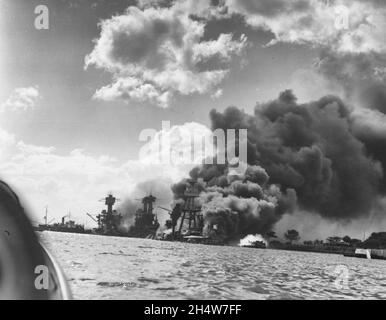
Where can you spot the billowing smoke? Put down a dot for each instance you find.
(299, 155)
(235, 206)
(310, 148)
(160, 188)
(251, 239)
(329, 152)
(128, 208)
(363, 79)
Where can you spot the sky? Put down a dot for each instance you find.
(75, 98)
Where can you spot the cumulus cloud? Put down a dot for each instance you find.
(42, 176)
(182, 146)
(134, 89)
(21, 99)
(351, 37)
(350, 34)
(344, 25)
(76, 180)
(155, 52)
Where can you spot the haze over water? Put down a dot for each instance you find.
(99, 267)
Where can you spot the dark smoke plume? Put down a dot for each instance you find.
(363, 78)
(312, 149)
(298, 154)
(235, 206)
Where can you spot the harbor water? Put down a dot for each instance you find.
(100, 267)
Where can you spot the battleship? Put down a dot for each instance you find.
(186, 221)
(146, 222)
(110, 221)
(189, 216)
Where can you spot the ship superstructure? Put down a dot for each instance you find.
(191, 223)
(186, 221)
(109, 220)
(146, 221)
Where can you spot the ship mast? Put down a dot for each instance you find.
(190, 211)
(46, 217)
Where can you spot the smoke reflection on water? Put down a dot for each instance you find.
(124, 268)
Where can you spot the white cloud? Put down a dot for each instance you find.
(318, 22)
(154, 53)
(77, 180)
(21, 99)
(223, 48)
(217, 94)
(183, 146)
(134, 89)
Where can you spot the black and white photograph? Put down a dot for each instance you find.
(167, 151)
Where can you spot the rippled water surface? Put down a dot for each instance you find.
(100, 267)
